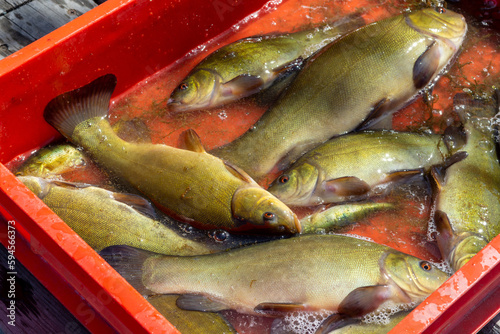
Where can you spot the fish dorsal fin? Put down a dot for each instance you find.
(401, 175)
(242, 85)
(347, 186)
(67, 184)
(279, 307)
(136, 202)
(68, 110)
(191, 141)
(238, 172)
(426, 66)
(199, 303)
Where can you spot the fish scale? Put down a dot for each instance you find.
(371, 68)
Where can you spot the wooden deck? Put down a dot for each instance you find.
(25, 21)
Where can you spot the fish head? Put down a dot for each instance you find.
(439, 22)
(257, 207)
(415, 278)
(297, 185)
(196, 91)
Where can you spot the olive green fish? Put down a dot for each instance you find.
(190, 184)
(342, 215)
(252, 64)
(309, 273)
(103, 218)
(468, 201)
(372, 71)
(53, 161)
(350, 166)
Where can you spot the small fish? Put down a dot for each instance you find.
(339, 216)
(252, 64)
(354, 81)
(52, 161)
(308, 273)
(189, 184)
(468, 200)
(348, 167)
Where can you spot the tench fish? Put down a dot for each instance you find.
(252, 64)
(103, 218)
(348, 167)
(53, 161)
(372, 71)
(468, 200)
(309, 273)
(190, 184)
(342, 215)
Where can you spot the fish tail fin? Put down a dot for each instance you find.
(68, 110)
(128, 262)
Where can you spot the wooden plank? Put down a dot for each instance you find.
(63, 11)
(12, 37)
(17, 3)
(32, 22)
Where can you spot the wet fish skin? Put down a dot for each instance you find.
(52, 161)
(190, 184)
(468, 199)
(349, 166)
(104, 218)
(310, 272)
(190, 322)
(372, 71)
(342, 215)
(252, 64)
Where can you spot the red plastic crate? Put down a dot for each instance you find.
(133, 40)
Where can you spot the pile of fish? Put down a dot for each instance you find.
(198, 225)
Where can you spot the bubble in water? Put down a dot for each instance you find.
(299, 322)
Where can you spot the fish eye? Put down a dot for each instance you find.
(284, 179)
(219, 235)
(267, 216)
(440, 10)
(425, 265)
(183, 86)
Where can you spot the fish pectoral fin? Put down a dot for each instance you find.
(375, 119)
(138, 203)
(242, 85)
(191, 141)
(445, 237)
(67, 184)
(402, 175)
(238, 172)
(279, 307)
(334, 322)
(347, 186)
(290, 67)
(199, 303)
(426, 66)
(364, 300)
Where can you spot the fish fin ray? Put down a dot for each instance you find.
(279, 307)
(69, 109)
(137, 202)
(199, 303)
(401, 175)
(375, 119)
(364, 300)
(243, 85)
(128, 262)
(191, 141)
(238, 172)
(347, 186)
(426, 66)
(438, 172)
(333, 322)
